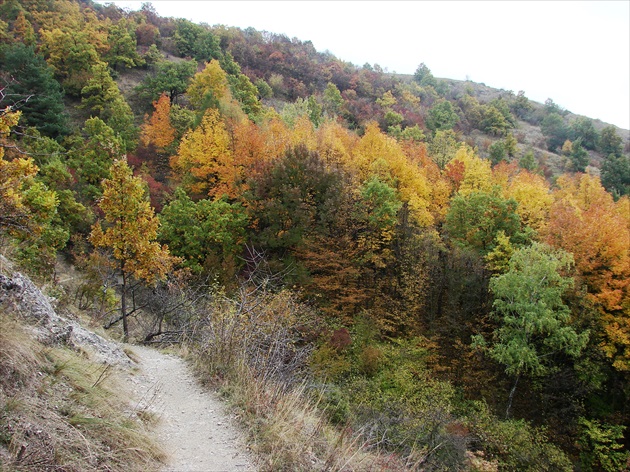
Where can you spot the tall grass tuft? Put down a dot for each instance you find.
(254, 346)
(60, 411)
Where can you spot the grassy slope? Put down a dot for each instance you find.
(61, 411)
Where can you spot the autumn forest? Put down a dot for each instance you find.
(449, 264)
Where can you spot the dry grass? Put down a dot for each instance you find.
(289, 431)
(61, 412)
(253, 349)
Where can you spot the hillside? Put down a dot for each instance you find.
(377, 271)
(63, 402)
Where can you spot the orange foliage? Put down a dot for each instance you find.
(158, 130)
(586, 221)
(455, 171)
(277, 136)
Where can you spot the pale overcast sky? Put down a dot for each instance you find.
(575, 52)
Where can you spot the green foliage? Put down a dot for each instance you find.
(71, 55)
(441, 116)
(33, 90)
(376, 214)
(246, 94)
(521, 105)
(424, 77)
(122, 46)
(100, 90)
(534, 320)
(55, 175)
(298, 196)
(182, 119)
(264, 90)
(552, 107)
(443, 147)
(379, 205)
(610, 142)
(314, 111)
(601, 447)
(615, 174)
(333, 101)
(511, 145)
(555, 130)
(39, 253)
(579, 156)
(193, 40)
(120, 118)
(170, 77)
(203, 232)
(503, 107)
(152, 56)
(475, 220)
(412, 133)
(514, 444)
(327, 363)
(392, 118)
(292, 112)
(394, 400)
(91, 154)
(497, 152)
(583, 128)
(528, 161)
(493, 121)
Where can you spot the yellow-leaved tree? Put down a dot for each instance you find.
(210, 84)
(205, 162)
(27, 207)
(13, 174)
(129, 231)
(379, 155)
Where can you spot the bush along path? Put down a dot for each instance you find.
(192, 425)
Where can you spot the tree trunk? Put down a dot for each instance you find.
(123, 307)
(511, 397)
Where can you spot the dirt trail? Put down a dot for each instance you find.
(194, 429)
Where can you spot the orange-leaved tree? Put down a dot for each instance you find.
(158, 130)
(130, 232)
(586, 221)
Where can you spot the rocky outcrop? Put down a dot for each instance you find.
(20, 295)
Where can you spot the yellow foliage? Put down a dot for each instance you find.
(304, 133)
(380, 155)
(131, 226)
(212, 79)
(278, 136)
(477, 172)
(532, 193)
(204, 161)
(334, 143)
(24, 205)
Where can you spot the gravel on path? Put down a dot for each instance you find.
(193, 429)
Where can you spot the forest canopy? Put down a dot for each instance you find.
(452, 240)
